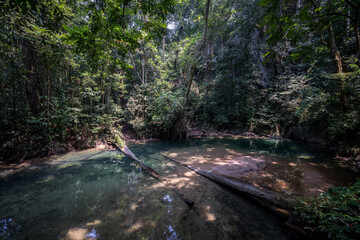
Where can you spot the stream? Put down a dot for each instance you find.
(100, 194)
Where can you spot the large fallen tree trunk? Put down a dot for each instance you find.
(273, 201)
(125, 150)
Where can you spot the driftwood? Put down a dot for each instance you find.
(274, 201)
(125, 150)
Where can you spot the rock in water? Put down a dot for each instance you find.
(240, 166)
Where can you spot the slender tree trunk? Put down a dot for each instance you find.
(338, 64)
(163, 45)
(355, 5)
(103, 83)
(208, 67)
(334, 50)
(13, 100)
(48, 91)
(231, 95)
(135, 69)
(348, 27)
(146, 74)
(179, 126)
(176, 56)
(207, 8)
(332, 43)
(33, 91)
(108, 96)
(69, 76)
(357, 36)
(91, 106)
(143, 69)
(191, 77)
(13, 91)
(298, 6)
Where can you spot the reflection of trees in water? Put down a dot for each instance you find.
(132, 180)
(252, 145)
(8, 228)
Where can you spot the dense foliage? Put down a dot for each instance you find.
(336, 213)
(75, 71)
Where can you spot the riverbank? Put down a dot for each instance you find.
(130, 137)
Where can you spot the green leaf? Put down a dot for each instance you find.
(163, 25)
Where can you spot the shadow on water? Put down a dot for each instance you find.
(291, 167)
(102, 195)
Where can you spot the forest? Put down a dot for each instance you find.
(74, 72)
(77, 73)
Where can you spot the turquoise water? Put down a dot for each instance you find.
(90, 194)
(97, 194)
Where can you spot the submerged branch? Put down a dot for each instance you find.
(274, 201)
(125, 150)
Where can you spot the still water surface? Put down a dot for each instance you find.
(96, 194)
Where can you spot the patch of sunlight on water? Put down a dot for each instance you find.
(291, 167)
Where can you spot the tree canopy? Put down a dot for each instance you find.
(75, 71)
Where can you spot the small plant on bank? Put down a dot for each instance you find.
(335, 213)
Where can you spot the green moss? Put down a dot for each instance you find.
(119, 141)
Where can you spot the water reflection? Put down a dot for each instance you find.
(171, 233)
(93, 234)
(167, 198)
(107, 197)
(8, 227)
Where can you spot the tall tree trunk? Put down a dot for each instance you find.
(355, 5)
(348, 27)
(13, 76)
(146, 74)
(103, 89)
(278, 63)
(179, 126)
(135, 69)
(231, 95)
(176, 56)
(108, 96)
(48, 91)
(33, 92)
(338, 63)
(13, 101)
(208, 66)
(143, 69)
(163, 45)
(298, 6)
(357, 36)
(334, 50)
(207, 8)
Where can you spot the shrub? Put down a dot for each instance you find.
(335, 213)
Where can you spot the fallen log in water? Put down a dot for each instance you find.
(274, 201)
(125, 150)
